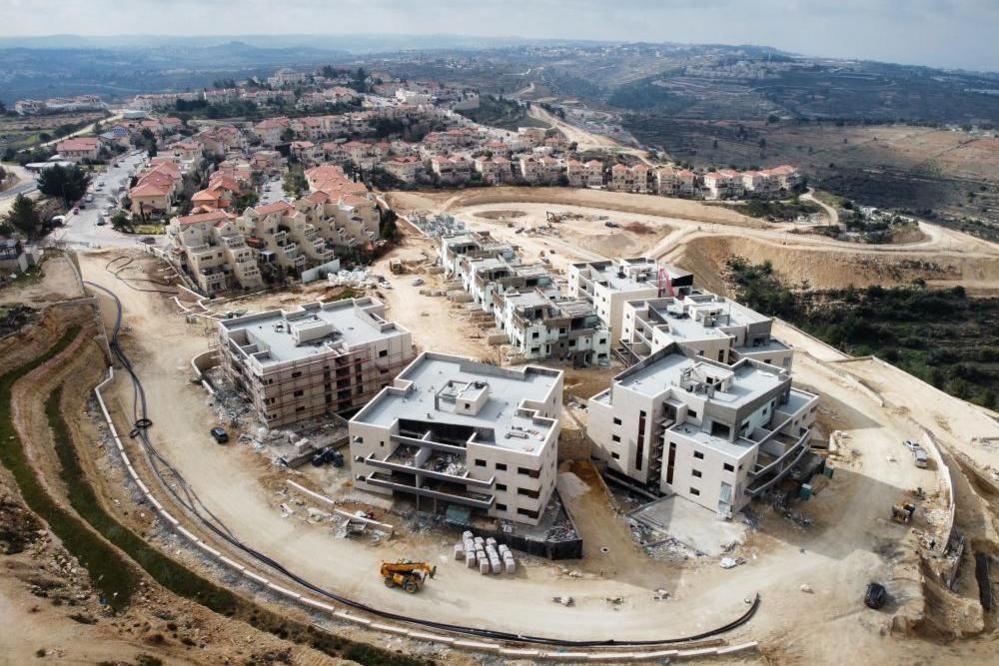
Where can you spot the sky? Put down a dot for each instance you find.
(940, 33)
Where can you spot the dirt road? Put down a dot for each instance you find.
(838, 550)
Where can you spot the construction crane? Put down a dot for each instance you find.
(410, 576)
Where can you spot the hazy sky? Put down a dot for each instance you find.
(946, 33)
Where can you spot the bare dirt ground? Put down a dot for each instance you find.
(844, 548)
(58, 282)
(702, 238)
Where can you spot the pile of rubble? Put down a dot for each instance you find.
(435, 226)
(357, 278)
(229, 406)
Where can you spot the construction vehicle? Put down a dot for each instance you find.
(410, 576)
(902, 512)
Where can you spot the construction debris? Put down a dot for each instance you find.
(565, 601)
(731, 562)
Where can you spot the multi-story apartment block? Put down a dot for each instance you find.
(319, 359)
(585, 174)
(472, 245)
(407, 169)
(541, 324)
(486, 277)
(454, 432)
(451, 169)
(714, 434)
(269, 131)
(608, 285)
(282, 236)
(703, 325)
(724, 184)
(213, 252)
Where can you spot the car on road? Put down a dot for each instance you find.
(148, 240)
(219, 435)
(101, 221)
(88, 198)
(76, 211)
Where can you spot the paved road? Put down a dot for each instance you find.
(23, 187)
(272, 191)
(81, 230)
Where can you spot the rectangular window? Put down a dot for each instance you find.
(728, 468)
(640, 451)
(480, 463)
(691, 413)
(383, 353)
(299, 393)
(297, 373)
(615, 456)
(617, 421)
(698, 455)
(501, 467)
(616, 438)
(533, 473)
(695, 492)
(696, 473)
(500, 487)
(527, 492)
(528, 513)
(500, 507)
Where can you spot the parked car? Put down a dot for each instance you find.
(220, 435)
(88, 198)
(101, 221)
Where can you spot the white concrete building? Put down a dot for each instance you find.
(608, 285)
(540, 323)
(451, 431)
(319, 359)
(704, 325)
(714, 434)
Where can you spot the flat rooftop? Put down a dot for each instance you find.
(280, 336)
(437, 377)
(664, 369)
(736, 449)
(630, 274)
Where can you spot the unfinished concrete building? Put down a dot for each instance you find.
(454, 432)
(319, 359)
(703, 324)
(541, 324)
(471, 245)
(714, 434)
(485, 277)
(527, 305)
(608, 285)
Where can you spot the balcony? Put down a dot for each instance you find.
(408, 461)
(441, 491)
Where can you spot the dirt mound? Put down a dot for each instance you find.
(833, 268)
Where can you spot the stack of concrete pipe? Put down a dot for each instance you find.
(486, 554)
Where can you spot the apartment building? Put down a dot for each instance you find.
(724, 184)
(472, 245)
(282, 237)
(585, 174)
(486, 277)
(672, 182)
(540, 323)
(703, 325)
(713, 434)
(213, 252)
(451, 169)
(608, 285)
(454, 432)
(79, 148)
(319, 359)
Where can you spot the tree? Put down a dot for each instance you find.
(121, 222)
(24, 217)
(67, 183)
